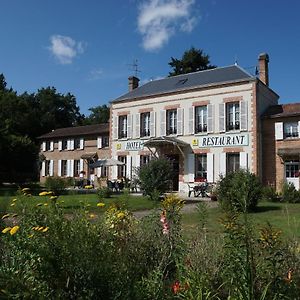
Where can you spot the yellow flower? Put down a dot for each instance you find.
(14, 230)
(100, 204)
(25, 189)
(40, 228)
(120, 215)
(5, 216)
(13, 204)
(92, 216)
(45, 204)
(6, 229)
(53, 197)
(39, 204)
(14, 200)
(43, 193)
(35, 228)
(14, 215)
(49, 193)
(45, 229)
(88, 187)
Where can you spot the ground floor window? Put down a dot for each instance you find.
(47, 168)
(200, 167)
(122, 168)
(292, 169)
(104, 171)
(232, 162)
(76, 167)
(64, 169)
(144, 160)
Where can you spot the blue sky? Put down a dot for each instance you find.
(86, 47)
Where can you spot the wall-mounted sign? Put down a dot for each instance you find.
(195, 142)
(226, 140)
(134, 145)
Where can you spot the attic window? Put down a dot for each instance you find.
(182, 81)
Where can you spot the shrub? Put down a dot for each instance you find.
(56, 184)
(103, 192)
(269, 194)
(240, 191)
(289, 193)
(155, 177)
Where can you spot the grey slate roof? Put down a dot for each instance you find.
(188, 81)
(77, 131)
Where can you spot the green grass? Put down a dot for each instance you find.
(74, 202)
(283, 216)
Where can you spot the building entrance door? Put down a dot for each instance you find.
(174, 160)
(292, 172)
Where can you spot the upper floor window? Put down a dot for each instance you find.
(172, 121)
(200, 119)
(145, 124)
(122, 127)
(291, 130)
(64, 145)
(232, 116)
(48, 146)
(77, 144)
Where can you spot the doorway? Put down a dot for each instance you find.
(174, 160)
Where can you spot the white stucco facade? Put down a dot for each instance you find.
(216, 143)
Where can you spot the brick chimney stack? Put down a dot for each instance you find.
(263, 61)
(133, 83)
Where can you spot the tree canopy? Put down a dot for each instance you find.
(99, 114)
(25, 117)
(192, 60)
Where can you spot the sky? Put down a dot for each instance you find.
(89, 47)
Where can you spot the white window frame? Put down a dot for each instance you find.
(145, 127)
(236, 112)
(122, 126)
(171, 117)
(288, 130)
(201, 118)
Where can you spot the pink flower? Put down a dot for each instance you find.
(164, 222)
(176, 287)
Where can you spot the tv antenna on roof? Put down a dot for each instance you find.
(134, 67)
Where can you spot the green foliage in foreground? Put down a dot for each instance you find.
(112, 255)
(239, 191)
(155, 177)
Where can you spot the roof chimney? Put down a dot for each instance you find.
(263, 61)
(133, 83)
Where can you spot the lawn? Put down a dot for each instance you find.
(283, 216)
(75, 201)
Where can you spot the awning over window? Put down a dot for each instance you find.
(90, 156)
(287, 152)
(164, 140)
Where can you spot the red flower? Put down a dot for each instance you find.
(176, 287)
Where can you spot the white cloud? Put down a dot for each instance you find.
(65, 49)
(95, 74)
(158, 20)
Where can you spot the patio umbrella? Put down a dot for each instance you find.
(106, 162)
